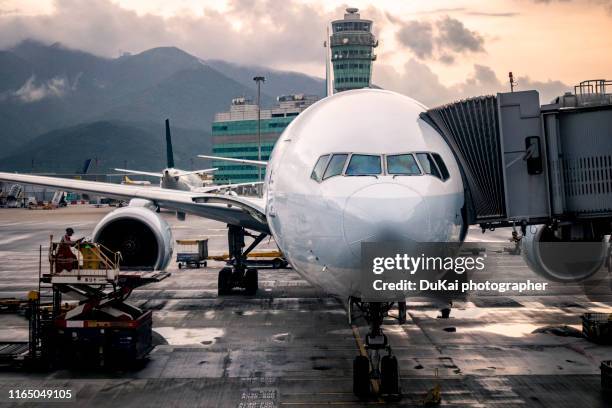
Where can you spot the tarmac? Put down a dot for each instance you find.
(291, 345)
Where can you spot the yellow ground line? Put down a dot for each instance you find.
(362, 350)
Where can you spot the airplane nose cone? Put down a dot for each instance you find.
(384, 212)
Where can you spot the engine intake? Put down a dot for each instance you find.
(142, 237)
(559, 258)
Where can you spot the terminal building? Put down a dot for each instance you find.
(352, 51)
(235, 134)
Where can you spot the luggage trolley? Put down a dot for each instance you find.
(192, 252)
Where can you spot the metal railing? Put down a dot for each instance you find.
(92, 261)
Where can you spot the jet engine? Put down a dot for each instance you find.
(567, 254)
(142, 237)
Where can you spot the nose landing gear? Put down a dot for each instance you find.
(378, 372)
(236, 274)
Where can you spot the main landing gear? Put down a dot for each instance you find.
(380, 364)
(236, 274)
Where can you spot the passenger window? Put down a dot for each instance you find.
(363, 165)
(336, 165)
(317, 172)
(404, 164)
(441, 166)
(428, 165)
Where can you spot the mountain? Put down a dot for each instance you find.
(49, 87)
(112, 144)
(277, 82)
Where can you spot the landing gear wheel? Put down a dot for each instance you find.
(361, 376)
(389, 376)
(401, 312)
(251, 281)
(224, 281)
(180, 265)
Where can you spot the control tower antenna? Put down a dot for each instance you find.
(328, 89)
(512, 82)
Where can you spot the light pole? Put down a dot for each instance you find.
(259, 80)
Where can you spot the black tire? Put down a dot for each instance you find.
(389, 376)
(251, 281)
(197, 265)
(224, 281)
(180, 265)
(401, 312)
(277, 263)
(361, 376)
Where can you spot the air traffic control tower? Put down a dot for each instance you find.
(352, 51)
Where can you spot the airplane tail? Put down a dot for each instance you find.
(169, 153)
(86, 166)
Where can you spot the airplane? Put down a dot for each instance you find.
(127, 180)
(355, 167)
(171, 177)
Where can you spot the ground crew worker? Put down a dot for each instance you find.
(66, 259)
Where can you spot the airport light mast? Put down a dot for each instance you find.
(352, 51)
(259, 80)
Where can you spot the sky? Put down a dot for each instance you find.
(435, 51)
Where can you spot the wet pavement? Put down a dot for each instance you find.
(291, 344)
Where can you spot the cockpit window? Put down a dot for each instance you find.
(363, 165)
(441, 166)
(428, 165)
(404, 164)
(335, 166)
(319, 167)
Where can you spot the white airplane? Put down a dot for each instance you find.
(171, 177)
(357, 166)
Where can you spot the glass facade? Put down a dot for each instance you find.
(234, 135)
(352, 44)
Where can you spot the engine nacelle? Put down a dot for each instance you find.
(139, 233)
(558, 257)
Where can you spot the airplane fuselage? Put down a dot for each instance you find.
(173, 179)
(377, 188)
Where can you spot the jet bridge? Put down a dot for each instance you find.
(528, 164)
(524, 164)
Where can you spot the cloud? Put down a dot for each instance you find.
(419, 82)
(246, 32)
(31, 91)
(418, 37)
(607, 4)
(454, 35)
(445, 38)
(491, 14)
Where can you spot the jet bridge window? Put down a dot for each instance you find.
(319, 167)
(428, 165)
(402, 164)
(335, 166)
(363, 165)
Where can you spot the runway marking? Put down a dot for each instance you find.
(362, 350)
(15, 238)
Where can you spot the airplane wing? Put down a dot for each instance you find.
(240, 211)
(259, 163)
(210, 189)
(142, 173)
(184, 173)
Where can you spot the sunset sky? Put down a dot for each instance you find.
(435, 50)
